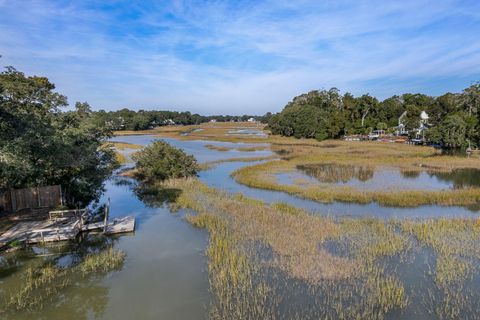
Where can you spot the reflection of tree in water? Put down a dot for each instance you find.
(410, 174)
(332, 173)
(151, 194)
(460, 178)
(123, 181)
(155, 196)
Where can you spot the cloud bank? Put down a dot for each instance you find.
(240, 57)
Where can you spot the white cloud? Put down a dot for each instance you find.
(220, 57)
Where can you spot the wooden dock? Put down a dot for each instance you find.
(63, 225)
(117, 225)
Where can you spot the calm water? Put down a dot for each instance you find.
(247, 132)
(366, 178)
(164, 275)
(198, 149)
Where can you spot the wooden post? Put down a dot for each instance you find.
(38, 197)
(61, 196)
(105, 220)
(13, 199)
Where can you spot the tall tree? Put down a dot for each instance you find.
(41, 145)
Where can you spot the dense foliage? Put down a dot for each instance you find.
(454, 118)
(161, 161)
(126, 119)
(41, 145)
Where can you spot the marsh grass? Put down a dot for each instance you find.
(456, 242)
(332, 173)
(279, 261)
(44, 281)
(262, 176)
(39, 284)
(456, 274)
(120, 157)
(104, 261)
(242, 149)
(245, 281)
(218, 148)
(124, 145)
(238, 292)
(311, 266)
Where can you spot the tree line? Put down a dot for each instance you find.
(126, 119)
(454, 118)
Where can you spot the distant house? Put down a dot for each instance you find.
(168, 122)
(251, 120)
(424, 125)
(400, 129)
(376, 134)
(213, 120)
(419, 132)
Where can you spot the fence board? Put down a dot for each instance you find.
(30, 198)
(5, 200)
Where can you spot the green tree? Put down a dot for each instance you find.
(161, 161)
(471, 98)
(451, 133)
(382, 126)
(40, 145)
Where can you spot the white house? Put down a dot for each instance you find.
(420, 131)
(251, 120)
(401, 130)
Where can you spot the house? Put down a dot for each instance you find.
(376, 134)
(213, 120)
(419, 132)
(400, 129)
(168, 122)
(251, 120)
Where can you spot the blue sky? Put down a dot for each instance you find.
(236, 57)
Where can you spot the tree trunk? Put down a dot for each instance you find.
(364, 116)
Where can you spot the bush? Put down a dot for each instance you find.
(161, 161)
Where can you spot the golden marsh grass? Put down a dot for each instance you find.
(242, 229)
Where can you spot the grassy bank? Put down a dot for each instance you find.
(371, 155)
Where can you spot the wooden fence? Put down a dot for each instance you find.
(29, 198)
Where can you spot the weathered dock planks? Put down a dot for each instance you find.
(42, 231)
(60, 227)
(117, 225)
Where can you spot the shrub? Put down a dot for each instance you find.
(161, 161)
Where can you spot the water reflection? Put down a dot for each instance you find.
(198, 149)
(332, 173)
(247, 132)
(460, 178)
(367, 178)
